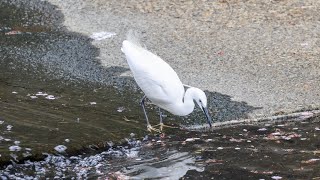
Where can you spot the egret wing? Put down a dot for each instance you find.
(160, 83)
(154, 76)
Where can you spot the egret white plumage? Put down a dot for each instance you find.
(160, 83)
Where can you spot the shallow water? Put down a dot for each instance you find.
(278, 151)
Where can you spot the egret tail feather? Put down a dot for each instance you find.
(133, 37)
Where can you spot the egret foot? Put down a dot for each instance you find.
(128, 120)
(163, 125)
(150, 128)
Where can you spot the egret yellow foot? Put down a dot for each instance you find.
(163, 125)
(150, 128)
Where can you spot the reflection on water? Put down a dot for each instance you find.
(174, 165)
(147, 160)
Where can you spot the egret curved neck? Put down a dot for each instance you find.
(187, 105)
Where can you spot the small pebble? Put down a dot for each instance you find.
(110, 143)
(14, 92)
(120, 109)
(33, 97)
(14, 148)
(262, 129)
(287, 138)
(93, 103)
(9, 127)
(190, 139)
(60, 148)
(146, 137)
(276, 177)
(50, 97)
(41, 94)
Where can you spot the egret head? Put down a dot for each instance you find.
(201, 99)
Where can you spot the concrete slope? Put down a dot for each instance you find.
(263, 53)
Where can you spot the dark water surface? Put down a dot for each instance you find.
(277, 151)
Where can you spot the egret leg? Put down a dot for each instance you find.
(161, 121)
(149, 127)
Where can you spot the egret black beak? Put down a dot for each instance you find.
(205, 110)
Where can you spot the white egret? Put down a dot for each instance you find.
(160, 83)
